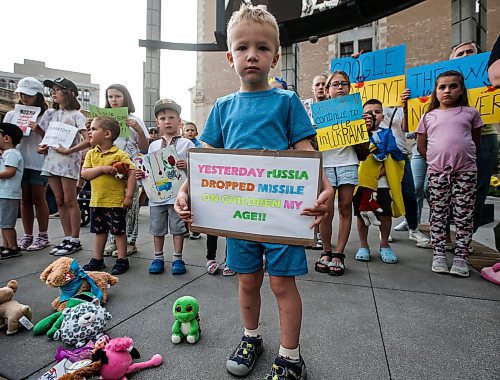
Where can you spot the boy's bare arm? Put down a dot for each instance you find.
(181, 205)
(89, 174)
(321, 207)
(9, 172)
(131, 183)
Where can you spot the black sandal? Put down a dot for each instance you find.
(335, 268)
(321, 266)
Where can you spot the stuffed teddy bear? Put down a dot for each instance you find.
(122, 170)
(71, 279)
(51, 323)
(11, 311)
(83, 322)
(187, 320)
(114, 361)
(368, 206)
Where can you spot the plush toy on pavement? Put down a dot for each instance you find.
(368, 206)
(71, 279)
(187, 320)
(11, 311)
(82, 323)
(122, 170)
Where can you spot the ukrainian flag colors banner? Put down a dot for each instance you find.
(339, 122)
(376, 75)
(420, 80)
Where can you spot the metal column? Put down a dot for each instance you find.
(152, 64)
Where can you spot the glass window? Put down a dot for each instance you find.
(12, 85)
(346, 49)
(365, 45)
(3, 83)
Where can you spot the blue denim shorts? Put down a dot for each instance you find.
(343, 175)
(244, 256)
(34, 177)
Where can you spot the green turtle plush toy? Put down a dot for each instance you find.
(187, 320)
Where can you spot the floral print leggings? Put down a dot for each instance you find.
(457, 190)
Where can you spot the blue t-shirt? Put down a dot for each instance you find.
(273, 119)
(196, 142)
(10, 188)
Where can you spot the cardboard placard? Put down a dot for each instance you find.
(254, 195)
(376, 75)
(23, 115)
(421, 80)
(339, 122)
(162, 179)
(59, 134)
(119, 114)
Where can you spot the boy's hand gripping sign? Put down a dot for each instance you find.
(339, 122)
(254, 195)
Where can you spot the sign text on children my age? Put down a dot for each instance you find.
(255, 195)
(339, 122)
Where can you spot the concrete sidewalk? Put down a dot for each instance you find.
(378, 321)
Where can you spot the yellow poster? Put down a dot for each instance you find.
(387, 90)
(341, 135)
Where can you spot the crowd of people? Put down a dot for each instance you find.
(379, 173)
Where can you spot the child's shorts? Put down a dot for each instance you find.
(108, 219)
(34, 177)
(163, 218)
(383, 198)
(342, 175)
(8, 212)
(244, 256)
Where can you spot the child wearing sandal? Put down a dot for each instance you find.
(379, 188)
(110, 197)
(261, 117)
(11, 174)
(163, 219)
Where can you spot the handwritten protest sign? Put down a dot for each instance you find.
(23, 115)
(339, 122)
(163, 180)
(421, 79)
(119, 114)
(254, 195)
(376, 75)
(59, 134)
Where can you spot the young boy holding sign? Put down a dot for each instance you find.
(163, 219)
(260, 117)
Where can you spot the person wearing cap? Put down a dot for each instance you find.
(33, 184)
(163, 219)
(11, 174)
(133, 143)
(62, 165)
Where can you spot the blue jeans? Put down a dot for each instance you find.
(487, 156)
(419, 169)
(409, 197)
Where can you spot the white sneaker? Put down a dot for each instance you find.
(425, 244)
(403, 226)
(109, 248)
(418, 236)
(390, 239)
(460, 267)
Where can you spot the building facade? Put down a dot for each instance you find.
(429, 30)
(88, 92)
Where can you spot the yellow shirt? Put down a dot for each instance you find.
(107, 191)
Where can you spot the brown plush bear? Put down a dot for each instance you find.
(122, 170)
(61, 274)
(11, 311)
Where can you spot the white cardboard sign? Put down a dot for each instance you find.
(254, 195)
(59, 134)
(23, 115)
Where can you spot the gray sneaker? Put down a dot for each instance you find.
(439, 264)
(460, 267)
(243, 358)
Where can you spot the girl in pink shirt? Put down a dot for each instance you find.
(448, 136)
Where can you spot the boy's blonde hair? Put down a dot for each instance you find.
(248, 13)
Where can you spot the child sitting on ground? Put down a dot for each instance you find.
(379, 188)
(110, 197)
(11, 174)
(163, 218)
